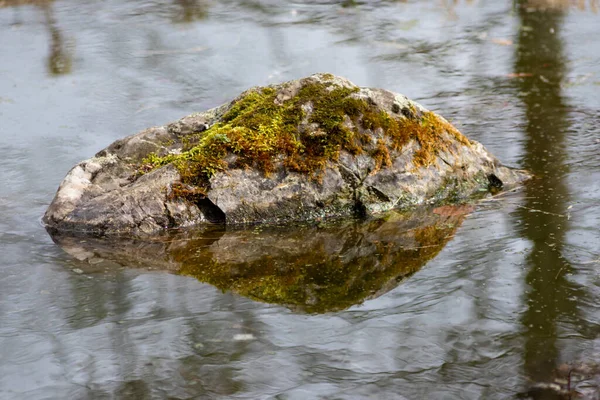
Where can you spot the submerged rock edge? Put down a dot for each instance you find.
(106, 194)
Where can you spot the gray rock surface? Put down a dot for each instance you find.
(109, 194)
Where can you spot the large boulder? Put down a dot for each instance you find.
(307, 149)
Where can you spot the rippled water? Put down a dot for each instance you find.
(512, 292)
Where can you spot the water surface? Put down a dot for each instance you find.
(511, 294)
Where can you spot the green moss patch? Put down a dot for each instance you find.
(303, 134)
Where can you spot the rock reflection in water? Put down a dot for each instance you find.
(310, 268)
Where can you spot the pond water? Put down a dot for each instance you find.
(504, 297)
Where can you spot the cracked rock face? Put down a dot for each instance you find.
(120, 191)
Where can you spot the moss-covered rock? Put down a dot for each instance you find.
(308, 149)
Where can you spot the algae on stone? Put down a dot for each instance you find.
(304, 133)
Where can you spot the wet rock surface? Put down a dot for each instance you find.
(309, 149)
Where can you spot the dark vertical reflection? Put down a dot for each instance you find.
(551, 299)
(60, 58)
(190, 10)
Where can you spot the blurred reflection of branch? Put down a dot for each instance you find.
(191, 10)
(552, 300)
(17, 3)
(582, 5)
(562, 4)
(60, 58)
